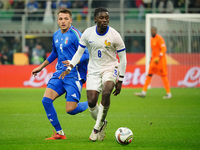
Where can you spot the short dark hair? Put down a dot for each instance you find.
(98, 10)
(65, 11)
(153, 27)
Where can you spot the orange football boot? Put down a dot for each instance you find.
(56, 136)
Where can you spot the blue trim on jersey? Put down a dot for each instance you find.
(83, 46)
(103, 33)
(121, 50)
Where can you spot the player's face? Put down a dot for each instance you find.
(102, 20)
(64, 21)
(153, 32)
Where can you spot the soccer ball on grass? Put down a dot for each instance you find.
(124, 135)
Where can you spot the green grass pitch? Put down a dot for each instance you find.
(157, 124)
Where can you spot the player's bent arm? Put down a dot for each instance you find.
(122, 64)
(85, 56)
(76, 58)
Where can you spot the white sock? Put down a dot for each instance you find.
(143, 92)
(101, 116)
(94, 111)
(61, 132)
(169, 94)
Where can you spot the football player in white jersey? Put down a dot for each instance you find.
(104, 71)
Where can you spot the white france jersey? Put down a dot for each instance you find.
(102, 48)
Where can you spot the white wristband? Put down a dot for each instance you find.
(121, 79)
(69, 68)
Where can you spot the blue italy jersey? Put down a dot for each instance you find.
(64, 46)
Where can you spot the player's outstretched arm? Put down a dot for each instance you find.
(76, 58)
(66, 72)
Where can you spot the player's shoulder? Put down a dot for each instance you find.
(56, 33)
(113, 31)
(75, 31)
(90, 30)
(159, 36)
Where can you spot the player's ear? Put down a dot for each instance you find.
(95, 18)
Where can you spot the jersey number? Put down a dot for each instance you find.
(115, 73)
(61, 48)
(99, 53)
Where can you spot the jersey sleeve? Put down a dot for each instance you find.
(121, 50)
(84, 39)
(162, 45)
(53, 54)
(85, 56)
(119, 43)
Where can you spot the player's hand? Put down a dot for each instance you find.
(66, 62)
(156, 60)
(64, 73)
(36, 70)
(118, 87)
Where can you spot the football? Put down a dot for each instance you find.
(124, 135)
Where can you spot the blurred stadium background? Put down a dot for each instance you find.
(26, 25)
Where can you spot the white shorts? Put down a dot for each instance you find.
(95, 81)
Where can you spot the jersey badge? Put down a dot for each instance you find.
(66, 40)
(107, 44)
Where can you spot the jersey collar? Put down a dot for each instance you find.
(104, 33)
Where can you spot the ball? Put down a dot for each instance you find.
(124, 135)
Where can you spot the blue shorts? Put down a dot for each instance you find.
(71, 86)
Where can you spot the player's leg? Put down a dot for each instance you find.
(54, 89)
(167, 87)
(146, 84)
(109, 79)
(73, 94)
(92, 97)
(94, 85)
(101, 122)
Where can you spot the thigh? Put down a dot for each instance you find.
(73, 89)
(50, 93)
(108, 86)
(94, 82)
(111, 74)
(56, 85)
(92, 97)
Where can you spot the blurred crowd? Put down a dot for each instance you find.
(35, 50)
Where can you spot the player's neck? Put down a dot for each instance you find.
(101, 30)
(65, 30)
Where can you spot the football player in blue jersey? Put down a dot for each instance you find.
(64, 46)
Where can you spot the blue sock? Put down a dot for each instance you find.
(51, 113)
(80, 108)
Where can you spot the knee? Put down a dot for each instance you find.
(46, 101)
(92, 101)
(91, 104)
(69, 110)
(70, 107)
